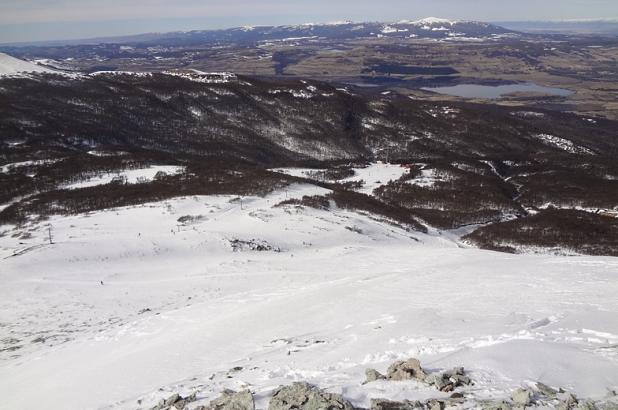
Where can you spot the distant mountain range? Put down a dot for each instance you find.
(564, 27)
(430, 27)
(425, 28)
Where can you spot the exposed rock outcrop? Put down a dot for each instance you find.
(303, 396)
(371, 375)
(174, 402)
(382, 404)
(231, 400)
(522, 397)
(406, 370)
(449, 380)
(495, 405)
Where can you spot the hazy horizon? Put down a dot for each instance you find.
(50, 20)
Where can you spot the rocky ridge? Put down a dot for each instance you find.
(304, 396)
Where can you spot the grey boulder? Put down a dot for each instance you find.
(231, 400)
(371, 375)
(448, 380)
(175, 401)
(383, 404)
(495, 405)
(303, 396)
(546, 390)
(522, 397)
(406, 370)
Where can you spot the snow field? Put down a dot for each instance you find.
(132, 176)
(180, 311)
(373, 176)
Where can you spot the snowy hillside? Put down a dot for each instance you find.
(11, 66)
(197, 294)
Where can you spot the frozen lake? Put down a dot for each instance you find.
(496, 91)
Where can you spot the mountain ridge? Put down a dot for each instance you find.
(226, 33)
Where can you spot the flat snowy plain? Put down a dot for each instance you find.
(130, 304)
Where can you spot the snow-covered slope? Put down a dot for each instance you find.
(131, 176)
(372, 176)
(136, 303)
(10, 66)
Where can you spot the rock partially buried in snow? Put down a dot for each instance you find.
(522, 397)
(231, 400)
(383, 404)
(449, 380)
(406, 370)
(435, 405)
(567, 401)
(495, 405)
(371, 375)
(411, 370)
(175, 401)
(590, 405)
(431, 404)
(303, 396)
(546, 390)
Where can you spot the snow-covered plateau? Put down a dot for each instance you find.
(197, 294)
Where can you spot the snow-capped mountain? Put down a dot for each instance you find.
(438, 27)
(435, 21)
(431, 27)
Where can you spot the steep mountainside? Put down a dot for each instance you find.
(270, 122)
(468, 164)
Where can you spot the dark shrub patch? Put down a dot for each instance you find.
(578, 231)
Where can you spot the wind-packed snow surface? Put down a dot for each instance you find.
(199, 294)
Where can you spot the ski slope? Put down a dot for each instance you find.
(140, 302)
